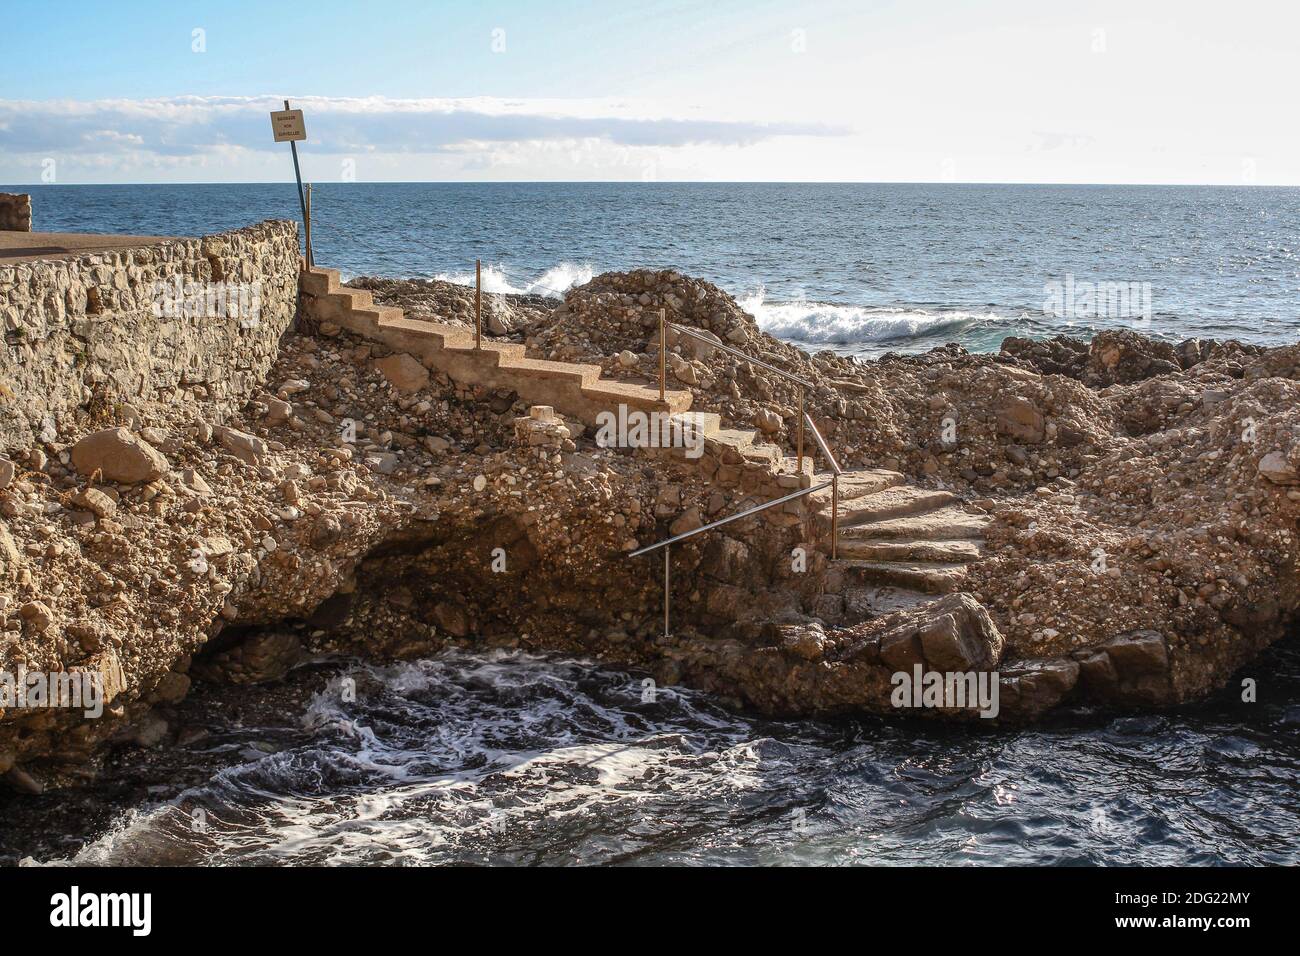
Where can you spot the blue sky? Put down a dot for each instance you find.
(877, 90)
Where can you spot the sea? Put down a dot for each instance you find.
(862, 269)
(507, 758)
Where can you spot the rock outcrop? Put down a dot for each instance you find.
(1125, 532)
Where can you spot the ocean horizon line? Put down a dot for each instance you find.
(670, 182)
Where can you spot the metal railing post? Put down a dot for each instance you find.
(667, 591)
(478, 303)
(835, 514)
(663, 355)
(801, 429)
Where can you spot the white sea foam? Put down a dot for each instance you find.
(554, 282)
(819, 322)
(447, 759)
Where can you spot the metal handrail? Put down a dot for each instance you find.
(727, 520)
(821, 443)
(804, 420)
(739, 354)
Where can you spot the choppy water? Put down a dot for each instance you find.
(508, 758)
(862, 268)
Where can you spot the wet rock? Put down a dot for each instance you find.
(953, 633)
(1034, 686)
(262, 657)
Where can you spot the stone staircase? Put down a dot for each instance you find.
(899, 545)
(576, 391)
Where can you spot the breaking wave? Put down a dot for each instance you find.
(819, 322)
(554, 282)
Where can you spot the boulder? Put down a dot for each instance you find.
(954, 633)
(404, 372)
(247, 448)
(1019, 419)
(1276, 468)
(117, 454)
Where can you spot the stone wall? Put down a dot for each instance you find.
(15, 212)
(193, 320)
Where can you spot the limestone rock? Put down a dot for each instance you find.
(118, 455)
(247, 448)
(1276, 468)
(767, 421)
(404, 372)
(954, 633)
(1019, 419)
(95, 501)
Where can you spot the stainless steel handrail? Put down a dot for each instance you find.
(727, 520)
(739, 354)
(821, 443)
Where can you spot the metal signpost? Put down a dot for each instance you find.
(288, 127)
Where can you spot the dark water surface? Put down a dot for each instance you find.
(508, 758)
(862, 268)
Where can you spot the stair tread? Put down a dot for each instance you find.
(737, 437)
(708, 424)
(919, 549)
(677, 401)
(903, 565)
(946, 524)
(933, 577)
(855, 484)
(895, 502)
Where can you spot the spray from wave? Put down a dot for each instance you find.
(820, 322)
(554, 282)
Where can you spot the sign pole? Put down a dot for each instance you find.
(311, 259)
(297, 174)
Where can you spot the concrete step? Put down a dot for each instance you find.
(500, 354)
(961, 551)
(558, 371)
(707, 424)
(894, 502)
(388, 315)
(790, 465)
(946, 524)
(611, 394)
(931, 578)
(853, 485)
(353, 298)
(318, 281)
(738, 438)
(763, 453)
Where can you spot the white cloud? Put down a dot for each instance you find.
(472, 133)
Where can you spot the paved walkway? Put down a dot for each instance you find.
(29, 246)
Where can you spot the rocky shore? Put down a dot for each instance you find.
(1138, 500)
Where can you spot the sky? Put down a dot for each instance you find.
(1034, 91)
